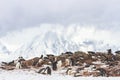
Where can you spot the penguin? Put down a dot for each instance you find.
(54, 65)
(42, 71)
(48, 70)
(69, 71)
(72, 62)
(59, 64)
(18, 65)
(102, 72)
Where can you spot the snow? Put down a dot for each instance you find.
(3, 49)
(56, 39)
(31, 75)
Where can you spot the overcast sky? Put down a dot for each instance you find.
(19, 14)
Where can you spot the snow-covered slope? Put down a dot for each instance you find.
(55, 39)
(3, 49)
(53, 45)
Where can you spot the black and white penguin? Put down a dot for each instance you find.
(54, 65)
(48, 70)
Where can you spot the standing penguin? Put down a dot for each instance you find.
(18, 65)
(72, 62)
(54, 65)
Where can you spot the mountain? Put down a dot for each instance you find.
(56, 39)
(51, 43)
